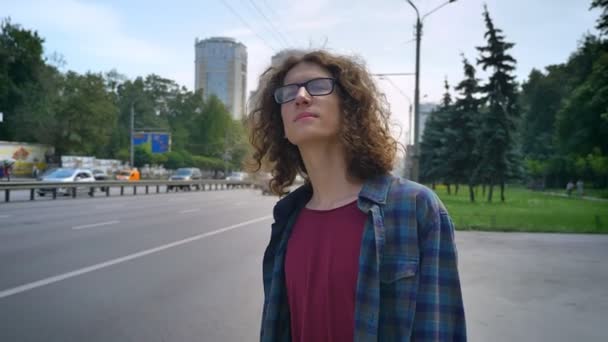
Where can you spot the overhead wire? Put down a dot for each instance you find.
(236, 14)
(274, 29)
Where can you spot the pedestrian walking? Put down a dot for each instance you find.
(569, 188)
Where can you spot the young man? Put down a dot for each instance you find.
(354, 254)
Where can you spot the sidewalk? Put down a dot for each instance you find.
(576, 196)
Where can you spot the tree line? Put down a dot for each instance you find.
(89, 114)
(549, 130)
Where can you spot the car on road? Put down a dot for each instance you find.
(185, 174)
(100, 175)
(67, 175)
(237, 176)
(46, 173)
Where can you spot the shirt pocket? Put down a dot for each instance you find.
(395, 268)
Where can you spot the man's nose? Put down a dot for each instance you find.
(302, 96)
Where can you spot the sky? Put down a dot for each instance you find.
(138, 37)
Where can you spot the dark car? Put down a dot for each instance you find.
(185, 174)
(100, 175)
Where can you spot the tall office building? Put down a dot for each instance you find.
(221, 69)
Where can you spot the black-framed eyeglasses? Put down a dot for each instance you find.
(315, 87)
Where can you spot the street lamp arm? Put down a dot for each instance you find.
(436, 9)
(415, 9)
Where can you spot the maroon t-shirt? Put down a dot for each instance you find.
(321, 268)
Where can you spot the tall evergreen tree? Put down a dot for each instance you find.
(461, 132)
(499, 121)
(433, 166)
(602, 21)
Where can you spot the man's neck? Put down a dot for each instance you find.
(328, 172)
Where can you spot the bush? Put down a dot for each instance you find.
(159, 158)
(142, 156)
(208, 163)
(175, 160)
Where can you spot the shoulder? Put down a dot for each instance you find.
(404, 191)
(408, 197)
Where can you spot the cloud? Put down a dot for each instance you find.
(98, 30)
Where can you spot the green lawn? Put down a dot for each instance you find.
(526, 211)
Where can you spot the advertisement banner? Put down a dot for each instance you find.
(159, 142)
(23, 156)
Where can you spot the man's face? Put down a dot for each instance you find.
(310, 119)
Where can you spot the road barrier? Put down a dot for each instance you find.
(72, 188)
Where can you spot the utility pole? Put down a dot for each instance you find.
(416, 147)
(415, 153)
(132, 133)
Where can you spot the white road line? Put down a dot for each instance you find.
(95, 225)
(176, 199)
(108, 206)
(58, 278)
(189, 211)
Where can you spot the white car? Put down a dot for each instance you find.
(237, 176)
(66, 175)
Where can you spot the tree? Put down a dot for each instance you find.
(498, 124)
(433, 166)
(602, 21)
(461, 132)
(142, 155)
(540, 100)
(85, 116)
(35, 119)
(581, 126)
(211, 129)
(21, 63)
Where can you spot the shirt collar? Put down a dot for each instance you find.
(374, 190)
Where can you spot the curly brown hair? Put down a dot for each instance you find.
(365, 131)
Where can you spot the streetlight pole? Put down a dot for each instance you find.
(131, 161)
(416, 147)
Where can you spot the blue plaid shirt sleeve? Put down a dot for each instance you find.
(439, 312)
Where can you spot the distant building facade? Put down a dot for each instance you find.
(221, 69)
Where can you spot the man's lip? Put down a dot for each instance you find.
(305, 115)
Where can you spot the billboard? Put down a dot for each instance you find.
(25, 155)
(159, 142)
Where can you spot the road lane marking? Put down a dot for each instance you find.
(85, 270)
(95, 225)
(108, 206)
(176, 199)
(189, 211)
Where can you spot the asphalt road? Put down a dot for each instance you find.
(207, 288)
(187, 267)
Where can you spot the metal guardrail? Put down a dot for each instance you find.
(105, 186)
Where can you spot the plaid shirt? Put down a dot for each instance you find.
(408, 288)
